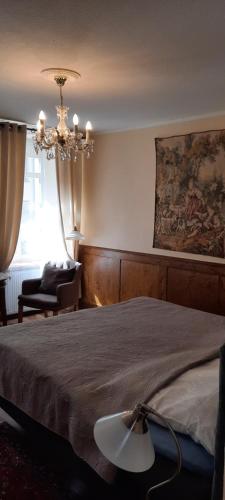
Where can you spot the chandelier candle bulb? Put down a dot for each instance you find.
(38, 133)
(88, 129)
(38, 125)
(42, 119)
(75, 122)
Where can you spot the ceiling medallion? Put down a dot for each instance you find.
(61, 141)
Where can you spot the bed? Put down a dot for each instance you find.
(63, 373)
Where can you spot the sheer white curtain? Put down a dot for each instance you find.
(69, 182)
(40, 237)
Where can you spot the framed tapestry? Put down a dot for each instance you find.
(190, 193)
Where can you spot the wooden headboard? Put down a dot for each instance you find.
(111, 276)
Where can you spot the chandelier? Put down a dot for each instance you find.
(61, 141)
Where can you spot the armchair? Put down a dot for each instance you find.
(59, 297)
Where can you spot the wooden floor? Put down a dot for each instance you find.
(27, 319)
(32, 317)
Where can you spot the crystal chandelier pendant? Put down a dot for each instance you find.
(61, 141)
(62, 129)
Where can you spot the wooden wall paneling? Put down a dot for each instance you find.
(100, 284)
(111, 276)
(222, 294)
(193, 289)
(163, 280)
(138, 278)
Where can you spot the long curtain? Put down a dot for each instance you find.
(12, 162)
(69, 182)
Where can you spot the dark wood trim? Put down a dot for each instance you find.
(111, 276)
(148, 257)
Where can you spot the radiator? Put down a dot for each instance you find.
(14, 285)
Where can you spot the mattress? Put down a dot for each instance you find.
(195, 458)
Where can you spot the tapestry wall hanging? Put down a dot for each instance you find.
(190, 193)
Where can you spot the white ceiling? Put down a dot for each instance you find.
(142, 61)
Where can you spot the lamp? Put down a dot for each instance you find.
(61, 140)
(75, 235)
(125, 440)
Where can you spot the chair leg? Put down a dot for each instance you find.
(20, 312)
(46, 314)
(55, 313)
(76, 307)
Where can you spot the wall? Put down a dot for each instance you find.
(119, 187)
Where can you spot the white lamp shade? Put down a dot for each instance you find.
(126, 449)
(75, 235)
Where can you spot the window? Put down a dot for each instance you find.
(40, 237)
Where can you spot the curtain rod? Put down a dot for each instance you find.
(31, 129)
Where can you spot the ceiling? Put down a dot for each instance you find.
(142, 62)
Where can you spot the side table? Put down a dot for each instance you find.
(3, 314)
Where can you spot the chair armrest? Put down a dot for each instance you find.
(30, 286)
(67, 294)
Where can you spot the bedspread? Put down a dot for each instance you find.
(67, 371)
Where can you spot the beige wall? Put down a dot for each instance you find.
(119, 187)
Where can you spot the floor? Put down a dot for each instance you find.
(24, 475)
(26, 319)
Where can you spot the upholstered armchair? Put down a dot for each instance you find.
(57, 289)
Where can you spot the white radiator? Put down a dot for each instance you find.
(14, 285)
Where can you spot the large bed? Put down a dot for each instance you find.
(61, 374)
